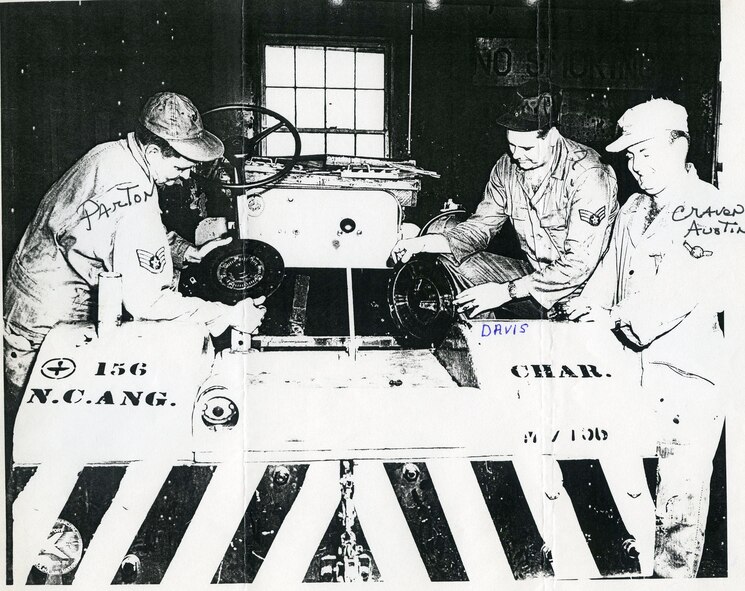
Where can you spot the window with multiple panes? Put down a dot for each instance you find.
(335, 96)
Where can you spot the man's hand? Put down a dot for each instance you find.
(248, 314)
(408, 247)
(195, 255)
(475, 300)
(580, 310)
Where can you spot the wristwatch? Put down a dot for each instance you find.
(512, 290)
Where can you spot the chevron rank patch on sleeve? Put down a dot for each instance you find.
(152, 262)
(592, 218)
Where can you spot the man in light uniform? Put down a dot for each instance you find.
(656, 290)
(561, 201)
(103, 215)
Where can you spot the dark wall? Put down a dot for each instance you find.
(595, 52)
(607, 55)
(74, 75)
(63, 91)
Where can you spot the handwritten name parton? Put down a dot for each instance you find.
(128, 195)
(710, 220)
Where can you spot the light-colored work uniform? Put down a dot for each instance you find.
(664, 288)
(102, 215)
(563, 227)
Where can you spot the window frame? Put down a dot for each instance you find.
(358, 43)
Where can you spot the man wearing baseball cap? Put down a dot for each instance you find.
(561, 201)
(656, 291)
(103, 215)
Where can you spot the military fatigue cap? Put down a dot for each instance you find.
(652, 119)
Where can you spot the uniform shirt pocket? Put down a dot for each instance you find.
(517, 211)
(553, 221)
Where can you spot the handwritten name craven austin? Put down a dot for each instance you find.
(710, 220)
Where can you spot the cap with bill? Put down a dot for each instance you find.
(174, 118)
(648, 120)
(533, 106)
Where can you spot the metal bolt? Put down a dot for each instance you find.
(281, 476)
(410, 472)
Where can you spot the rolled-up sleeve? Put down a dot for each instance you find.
(592, 210)
(475, 233)
(140, 253)
(600, 288)
(179, 246)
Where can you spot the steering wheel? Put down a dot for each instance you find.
(234, 125)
